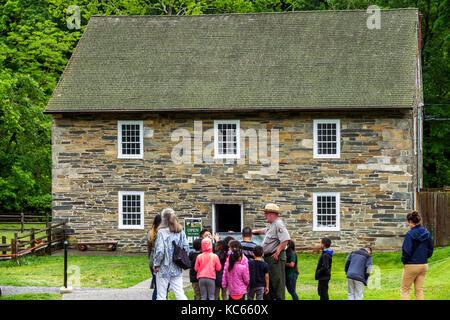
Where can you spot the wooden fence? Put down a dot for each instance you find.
(54, 235)
(22, 219)
(434, 207)
(443, 189)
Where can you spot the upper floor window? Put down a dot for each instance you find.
(131, 210)
(327, 139)
(227, 139)
(130, 140)
(326, 210)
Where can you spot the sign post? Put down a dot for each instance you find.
(192, 228)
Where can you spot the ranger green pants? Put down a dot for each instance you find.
(277, 277)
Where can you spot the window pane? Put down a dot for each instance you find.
(131, 209)
(326, 138)
(131, 136)
(227, 138)
(326, 211)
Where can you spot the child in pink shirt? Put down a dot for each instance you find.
(206, 265)
(236, 274)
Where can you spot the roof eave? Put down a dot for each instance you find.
(192, 110)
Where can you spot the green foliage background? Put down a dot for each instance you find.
(35, 45)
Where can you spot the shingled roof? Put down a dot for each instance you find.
(258, 61)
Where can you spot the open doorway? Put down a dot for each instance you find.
(228, 217)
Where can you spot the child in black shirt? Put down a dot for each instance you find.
(221, 252)
(259, 275)
(323, 271)
(197, 244)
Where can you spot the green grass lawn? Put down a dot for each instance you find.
(126, 271)
(32, 296)
(390, 267)
(95, 271)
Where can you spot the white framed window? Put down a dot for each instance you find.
(131, 210)
(326, 211)
(327, 139)
(130, 141)
(227, 139)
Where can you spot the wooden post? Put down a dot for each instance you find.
(435, 215)
(16, 244)
(49, 238)
(14, 247)
(22, 221)
(32, 244)
(4, 242)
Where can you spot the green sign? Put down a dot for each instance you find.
(192, 228)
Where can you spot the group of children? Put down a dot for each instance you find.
(235, 269)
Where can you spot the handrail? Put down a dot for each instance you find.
(52, 235)
(18, 216)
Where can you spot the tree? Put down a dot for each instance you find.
(33, 53)
(35, 45)
(25, 173)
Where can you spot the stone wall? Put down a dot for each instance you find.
(374, 175)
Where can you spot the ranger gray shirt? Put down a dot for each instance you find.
(275, 233)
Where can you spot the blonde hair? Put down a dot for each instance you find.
(169, 219)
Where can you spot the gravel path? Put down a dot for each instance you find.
(29, 289)
(20, 290)
(141, 291)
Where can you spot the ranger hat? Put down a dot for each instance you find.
(272, 207)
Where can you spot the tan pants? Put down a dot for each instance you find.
(197, 292)
(413, 273)
(224, 293)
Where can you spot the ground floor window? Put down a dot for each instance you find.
(326, 207)
(228, 217)
(131, 210)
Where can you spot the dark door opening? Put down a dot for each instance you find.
(228, 217)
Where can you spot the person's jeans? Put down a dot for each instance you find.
(322, 289)
(355, 289)
(155, 292)
(259, 292)
(175, 282)
(291, 285)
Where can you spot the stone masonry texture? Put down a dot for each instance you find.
(375, 175)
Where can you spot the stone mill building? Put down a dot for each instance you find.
(319, 112)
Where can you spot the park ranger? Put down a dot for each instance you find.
(274, 246)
